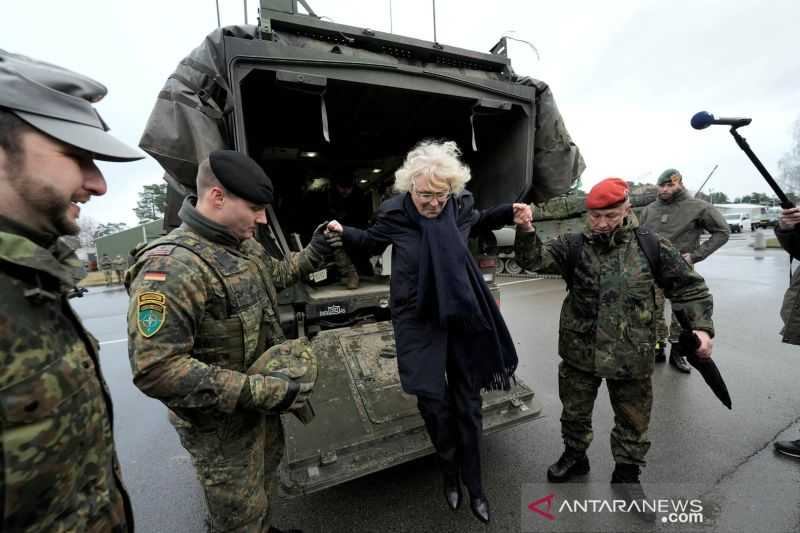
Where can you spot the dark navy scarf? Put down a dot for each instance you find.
(452, 292)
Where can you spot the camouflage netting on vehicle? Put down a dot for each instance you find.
(192, 114)
(574, 205)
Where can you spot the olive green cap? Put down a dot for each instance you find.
(669, 175)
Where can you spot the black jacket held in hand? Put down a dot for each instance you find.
(423, 343)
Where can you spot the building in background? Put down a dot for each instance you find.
(123, 242)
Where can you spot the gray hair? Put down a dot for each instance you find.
(439, 160)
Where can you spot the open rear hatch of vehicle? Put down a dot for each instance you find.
(364, 421)
(304, 118)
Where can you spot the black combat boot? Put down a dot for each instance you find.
(678, 360)
(661, 357)
(625, 479)
(571, 463)
(788, 447)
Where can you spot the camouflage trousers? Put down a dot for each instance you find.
(107, 274)
(631, 399)
(236, 463)
(662, 332)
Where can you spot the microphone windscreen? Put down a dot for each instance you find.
(702, 120)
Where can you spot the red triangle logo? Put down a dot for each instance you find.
(535, 506)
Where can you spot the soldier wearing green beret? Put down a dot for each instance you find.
(58, 467)
(203, 309)
(681, 219)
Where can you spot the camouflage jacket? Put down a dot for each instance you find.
(790, 308)
(608, 323)
(119, 263)
(682, 220)
(203, 308)
(58, 467)
(105, 263)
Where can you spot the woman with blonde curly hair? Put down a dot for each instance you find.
(450, 336)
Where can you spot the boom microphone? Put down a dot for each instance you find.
(704, 119)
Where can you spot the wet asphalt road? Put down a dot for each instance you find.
(722, 457)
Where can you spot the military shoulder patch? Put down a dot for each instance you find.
(151, 275)
(151, 312)
(163, 249)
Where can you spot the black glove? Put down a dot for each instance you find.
(319, 242)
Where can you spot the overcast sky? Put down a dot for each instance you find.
(627, 75)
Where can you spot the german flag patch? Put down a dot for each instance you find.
(151, 311)
(155, 276)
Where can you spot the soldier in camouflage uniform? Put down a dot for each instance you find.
(106, 266)
(681, 219)
(58, 467)
(203, 308)
(120, 265)
(607, 326)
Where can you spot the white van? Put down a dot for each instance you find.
(737, 222)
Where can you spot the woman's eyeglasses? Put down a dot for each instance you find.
(429, 196)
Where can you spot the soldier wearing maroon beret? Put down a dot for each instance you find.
(608, 327)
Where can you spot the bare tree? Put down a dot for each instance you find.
(88, 227)
(789, 164)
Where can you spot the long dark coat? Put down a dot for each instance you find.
(790, 309)
(421, 344)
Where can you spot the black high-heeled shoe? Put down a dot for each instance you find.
(452, 492)
(480, 508)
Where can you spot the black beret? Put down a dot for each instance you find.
(241, 175)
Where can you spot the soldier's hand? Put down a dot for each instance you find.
(335, 227)
(275, 394)
(706, 344)
(789, 218)
(319, 241)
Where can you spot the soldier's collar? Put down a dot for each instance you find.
(19, 250)
(45, 240)
(677, 196)
(204, 226)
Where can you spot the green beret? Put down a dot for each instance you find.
(668, 175)
(241, 176)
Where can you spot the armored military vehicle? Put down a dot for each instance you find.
(308, 99)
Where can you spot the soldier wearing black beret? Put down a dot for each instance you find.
(241, 176)
(203, 308)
